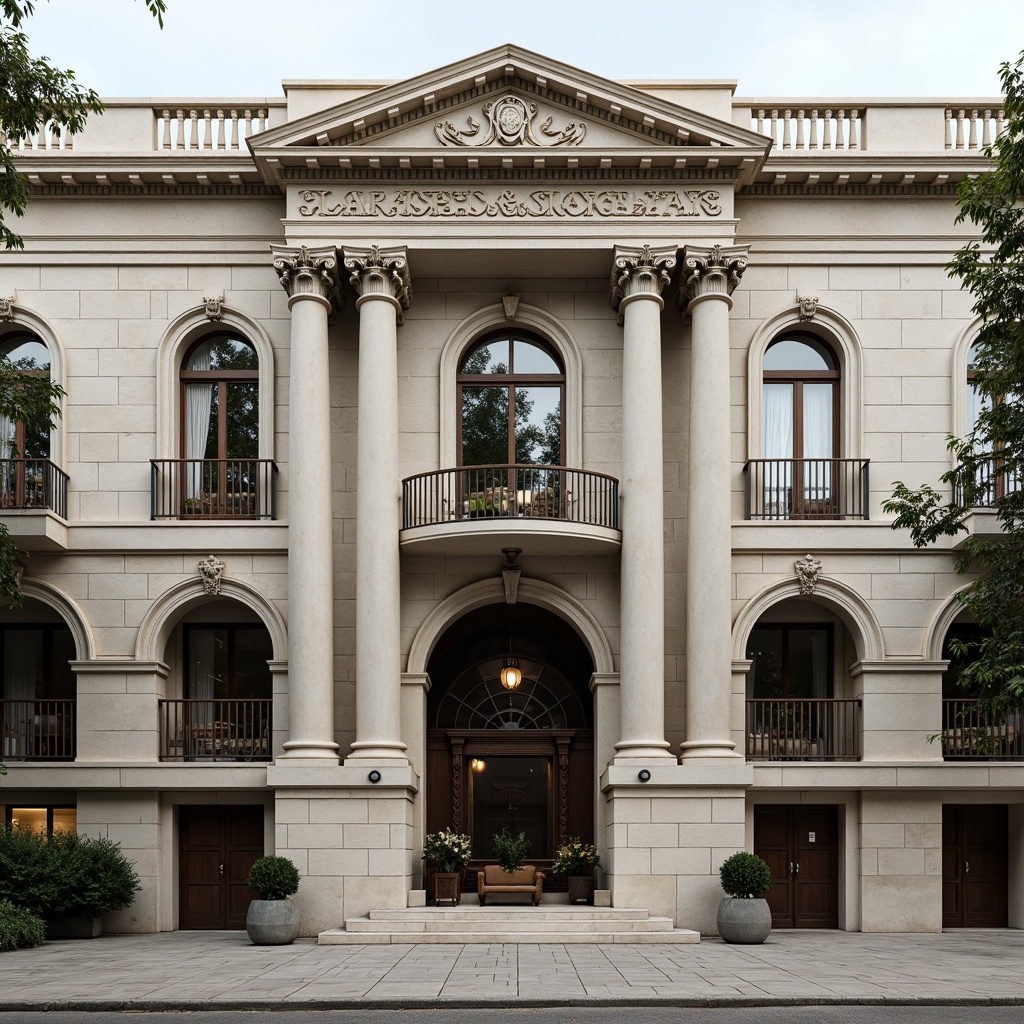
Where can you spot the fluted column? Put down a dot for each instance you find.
(310, 276)
(709, 277)
(381, 279)
(639, 276)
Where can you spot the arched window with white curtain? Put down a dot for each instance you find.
(23, 448)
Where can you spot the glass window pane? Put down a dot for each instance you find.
(778, 421)
(27, 353)
(23, 664)
(529, 358)
(490, 357)
(243, 421)
(232, 354)
(808, 664)
(252, 674)
(485, 426)
(33, 818)
(65, 819)
(539, 426)
(818, 421)
(976, 402)
(62, 685)
(764, 649)
(207, 664)
(512, 793)
(798, 354)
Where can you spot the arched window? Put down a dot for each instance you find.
(23, 446)
(220, 426)
(511, 392)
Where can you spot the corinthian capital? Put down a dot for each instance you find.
(305, 271)
(642, 271)
(711, 272)
(376, 272)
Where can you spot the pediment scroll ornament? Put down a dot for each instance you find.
(510, 123)
(808, 569)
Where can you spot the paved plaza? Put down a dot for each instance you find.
(222, 970)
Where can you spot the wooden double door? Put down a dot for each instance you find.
(974, 866)
(218, 845)
(800, 844)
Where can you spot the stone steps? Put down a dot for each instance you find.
(553, 923)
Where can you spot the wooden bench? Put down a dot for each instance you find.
(527, 881)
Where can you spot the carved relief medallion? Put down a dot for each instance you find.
(510, 123)
(211, 569)
(807, 571)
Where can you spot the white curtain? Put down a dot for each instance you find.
(817, 441)
(8, 429)
(23, 651)
(198, 403)
(202, 674)
(778, 444)
(819, 664)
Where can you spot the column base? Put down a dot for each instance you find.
(629, 751)
(701, 749)
(368, 750)
(317, 751)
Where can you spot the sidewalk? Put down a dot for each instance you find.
(221, 970)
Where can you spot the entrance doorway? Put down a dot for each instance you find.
(522, 758)
(800, 844)
(974, 866)
(218, 845)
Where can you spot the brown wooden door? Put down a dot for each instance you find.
(800, 844)
(974, 866)
(217, 847)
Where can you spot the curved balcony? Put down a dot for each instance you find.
(480, 509)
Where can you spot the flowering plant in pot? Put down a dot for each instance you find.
(273, 919)
(577, 860)
(744, 917)
(447, 852)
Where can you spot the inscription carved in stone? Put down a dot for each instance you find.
(539, 202)
(510, 123)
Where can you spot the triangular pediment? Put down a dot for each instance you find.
(508, 104)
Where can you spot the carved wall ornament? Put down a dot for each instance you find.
(808, 305)
(711, 271)
(510, 573)
(511, 304)
(807, 571)
(7, 307)
(214, 306)
(510, 123)
(380, 271)
(211, 569)
(640, 271)
(305, 271)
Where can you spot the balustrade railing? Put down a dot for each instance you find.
(219, 730)
(527, 492)
(971, 733)
(33, 483)
(208, 129)
(213, 489)
(811, 128)
(972, 128)
(993, 480)
(37, 730)
(806, 489)
(803, 730)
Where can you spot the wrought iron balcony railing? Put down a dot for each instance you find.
(970, 733)
(527, 492)
(213, 489)
(992, 481)
(37, 730)
(821, 489)
(215, 730)
(803, 730)
(33, 483)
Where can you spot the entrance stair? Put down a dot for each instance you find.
(471, 923)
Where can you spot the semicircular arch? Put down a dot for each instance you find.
(944, 617)
(491, 591)
(65, 607)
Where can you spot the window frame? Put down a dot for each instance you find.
(232, 628)
(48, 649)
(786, 628)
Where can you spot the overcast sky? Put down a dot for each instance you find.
(821, 48)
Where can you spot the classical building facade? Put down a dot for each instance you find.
(380, 394)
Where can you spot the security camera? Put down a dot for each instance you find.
(374, 776)
(644, 775)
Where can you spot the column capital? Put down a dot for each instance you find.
(311, 273)
(640, 272)
(377, 272)
(711, 272)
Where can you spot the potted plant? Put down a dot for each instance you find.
(744, 917)
(511, 850)
(273, 919)
(577, 860)
(447, 852)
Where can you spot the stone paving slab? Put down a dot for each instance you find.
(196, 970)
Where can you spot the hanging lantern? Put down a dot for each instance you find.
(511, 676)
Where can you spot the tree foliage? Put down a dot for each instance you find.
(989, 461)
(35, 95)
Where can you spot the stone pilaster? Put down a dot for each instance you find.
(639, 275)
(709, 277)
(381, 279)
(310, 276)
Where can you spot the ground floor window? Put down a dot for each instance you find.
(43, 819)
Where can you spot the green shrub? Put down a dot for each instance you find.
(64, 875)
(511, 850)
(273, 878)
(745, 876)
(19, 929)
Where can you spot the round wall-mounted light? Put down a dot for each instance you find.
(374, 776)
(644, 775)
(477, 764)
(511, 676)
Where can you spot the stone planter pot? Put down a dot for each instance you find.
(448, 887)
(74, 928)
(581, 888)
(744, 922)
(273, 922)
